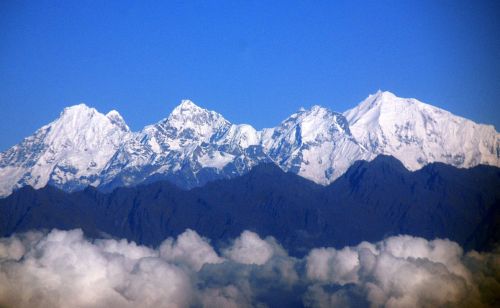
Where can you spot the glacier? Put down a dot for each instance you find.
(193, 146)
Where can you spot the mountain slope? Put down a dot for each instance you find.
(316, 144)
(190, 147)
(417, 133)
(370, 201)
(68, 153)
(194, 146)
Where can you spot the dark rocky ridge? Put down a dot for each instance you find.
(372, 200)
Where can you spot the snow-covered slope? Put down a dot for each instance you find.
(193, 145)
(190, 147)
(316, 144)
(417, 133)
(68, 153)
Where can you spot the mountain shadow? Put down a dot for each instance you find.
(372, 200)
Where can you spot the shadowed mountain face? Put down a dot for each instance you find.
(372, 200)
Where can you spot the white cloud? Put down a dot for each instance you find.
(189, 249)
(64, 269)
(331, 265)
(402, 271)
(249, 248)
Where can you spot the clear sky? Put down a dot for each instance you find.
(254, 62)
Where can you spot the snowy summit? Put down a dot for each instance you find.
(193, 145)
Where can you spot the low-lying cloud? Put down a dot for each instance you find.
(65, 269)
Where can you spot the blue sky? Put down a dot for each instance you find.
(255, 62)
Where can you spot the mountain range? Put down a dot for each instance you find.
(369, 202)
(194, 146)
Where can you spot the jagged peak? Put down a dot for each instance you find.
(386, 99)
(187, 106)
(113, 114)
(380, 97)
(316, 120)
(188, 118)
(316, 108)
(188, 103)
(116, 118)
(188, 111)
(383, 94)
(77, 113)
(78, 109)
(316, 111)
(78, 106)
(79, 116)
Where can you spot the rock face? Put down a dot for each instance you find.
(193, 146)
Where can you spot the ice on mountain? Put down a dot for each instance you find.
(194, 145)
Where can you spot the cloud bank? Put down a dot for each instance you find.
(65, 269)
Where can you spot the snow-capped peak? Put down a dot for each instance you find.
(187, 107)
(373, 101)
(190, 120)
(69, 152)
(116, 118)
(76, 112)
(187, 111)
(316, 109)
(189, 139)
(315, 143)
(194, 145)
(82, 107)
(318, 120)
(418, 133)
